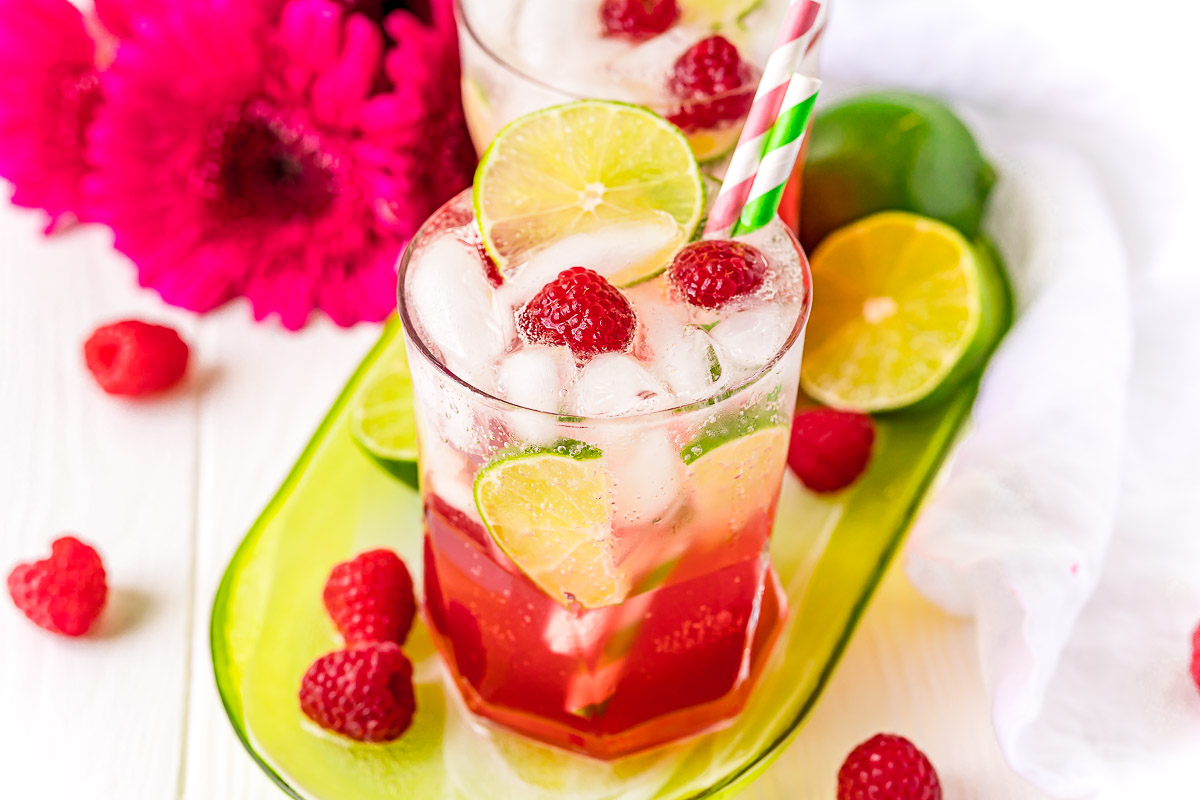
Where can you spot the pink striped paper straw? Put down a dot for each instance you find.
(798, 29)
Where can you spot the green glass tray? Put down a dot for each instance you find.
(268, 625)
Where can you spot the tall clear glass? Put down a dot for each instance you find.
(498, 86)
(685, 605)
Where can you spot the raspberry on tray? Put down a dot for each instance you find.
(370, 598)
(364, 693)
(888, 766)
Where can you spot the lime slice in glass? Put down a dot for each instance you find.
(550, 511)
(716, 15)
(734, 471)
(903, 308)
(383, 423)
(578, 167)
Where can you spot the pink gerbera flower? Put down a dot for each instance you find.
(48, 94)
(237, 153)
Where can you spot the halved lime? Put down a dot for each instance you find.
(383, 423)
(903, 307)
(892, 151)
(577, 167)
(550, 511)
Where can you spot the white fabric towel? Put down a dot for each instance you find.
(1068, 523)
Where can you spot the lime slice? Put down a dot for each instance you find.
(383, 423)
(903, 307)
(661, 231)
(713, 144)
(550, 511)
(716, 14)
(732, 476)
(578, 167)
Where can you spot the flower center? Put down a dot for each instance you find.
(262, 164)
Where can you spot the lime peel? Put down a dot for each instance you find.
(550, 511)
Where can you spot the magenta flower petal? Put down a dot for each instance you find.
(48, 94)
(248, 153)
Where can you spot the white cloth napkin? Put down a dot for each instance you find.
(1068, 524)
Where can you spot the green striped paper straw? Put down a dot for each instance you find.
(780, 151)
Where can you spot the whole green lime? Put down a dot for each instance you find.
(892, 151)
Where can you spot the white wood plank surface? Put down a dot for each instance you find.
(166, 488)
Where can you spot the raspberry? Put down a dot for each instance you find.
(1196, 657)
(830, 448)
(887, 766)
(711, 273)
(64, 593)
(581, 310)
(364, 693)
(638, 19)
(714, 83)
(134, 357)
(370, 598)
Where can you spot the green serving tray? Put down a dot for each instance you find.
(268, 625)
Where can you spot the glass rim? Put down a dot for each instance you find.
(413, 337)
(659, 105)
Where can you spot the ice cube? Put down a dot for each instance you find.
(751, 338)
(683, 355)
(535, 377)
(612, 384)
(617, 251)
(647, 474)
(446, 471)
(492, 20)
(449, 297)
(550, 40)
(644, 68)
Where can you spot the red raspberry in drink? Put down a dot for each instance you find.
(713, 83)
(582, 311)
(638, 19)
(711, 273)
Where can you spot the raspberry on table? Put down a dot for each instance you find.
(580, 310)
(370, 598)
(64, 593)
(713, 83)
(830, 448)
(132, 357)
(364, 693)
(711, 273)
(887, 767)
(638, 19)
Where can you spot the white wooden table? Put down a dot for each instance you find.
(166, 488)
